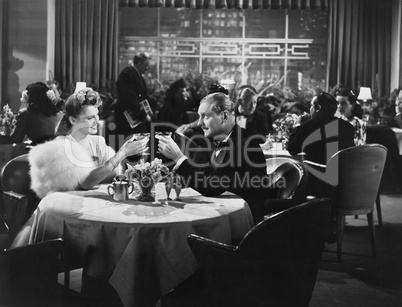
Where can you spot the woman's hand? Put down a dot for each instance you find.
(133, 148)
(168, 147)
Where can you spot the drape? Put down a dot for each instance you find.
(230, 4)
(359, 44)
(86, 43)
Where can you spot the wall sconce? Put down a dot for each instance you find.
(365, 94)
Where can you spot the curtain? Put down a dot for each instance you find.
(86, 44)
(230, 4)
(359, 44)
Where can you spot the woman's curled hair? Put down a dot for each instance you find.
(75, 105)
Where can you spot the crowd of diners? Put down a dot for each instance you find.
(227, 130)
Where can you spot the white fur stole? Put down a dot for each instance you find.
(58, 165)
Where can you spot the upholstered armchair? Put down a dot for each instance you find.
(275, 264)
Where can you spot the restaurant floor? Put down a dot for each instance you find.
(360, 280)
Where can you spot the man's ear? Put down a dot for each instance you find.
(225, 116)
(317, 107)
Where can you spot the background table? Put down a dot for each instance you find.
(398, 134)
(139, 248)
(277, 156)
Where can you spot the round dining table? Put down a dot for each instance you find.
(139, 248)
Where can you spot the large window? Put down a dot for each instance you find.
(267, 45)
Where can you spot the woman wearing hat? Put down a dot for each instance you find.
(39, 119)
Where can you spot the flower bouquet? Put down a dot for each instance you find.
(283, 126)
(8, 121)
(147, 175)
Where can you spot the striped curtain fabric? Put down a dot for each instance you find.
(230, 4)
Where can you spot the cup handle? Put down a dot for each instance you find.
(110, 187)
(131, 188)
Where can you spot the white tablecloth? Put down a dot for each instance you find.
(276, 151)
(398, 134)
(139, 248)
(275, 156)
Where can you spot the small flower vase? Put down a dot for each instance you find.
(147, 187)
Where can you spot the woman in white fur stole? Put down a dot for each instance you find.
(78, 158)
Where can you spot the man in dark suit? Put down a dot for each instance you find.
(131, 90)
(248, 116)
(319, 135)
(237, 164)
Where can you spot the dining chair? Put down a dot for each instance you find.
(357, 172)
(275, 264)
(294, 176)
(20, 202)
(15, 178)
(29, 273)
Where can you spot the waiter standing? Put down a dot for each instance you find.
(133, 112)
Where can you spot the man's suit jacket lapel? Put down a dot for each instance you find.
(230, 152)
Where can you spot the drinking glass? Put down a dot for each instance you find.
(177, 187)
(168, 187)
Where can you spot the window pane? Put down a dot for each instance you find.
(222, 23)
(173, 68)
(223, 68)
(265, 23)
(308, 24)
(179, 23)
(138, 22)
(208, 40)
(264, 72)
(307, 74)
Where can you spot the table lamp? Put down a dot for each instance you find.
(365, 94)
(79, 86)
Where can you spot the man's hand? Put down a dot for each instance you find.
(168, 147)
(302, 118)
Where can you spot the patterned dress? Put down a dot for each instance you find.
(360, 129)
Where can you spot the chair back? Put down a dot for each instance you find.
(286, 251)
(275, 264)
(15, 177)
(360, 169)
(295, 178)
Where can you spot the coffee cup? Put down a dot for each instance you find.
(120, 190)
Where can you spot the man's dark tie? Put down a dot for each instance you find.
(218, 152)
(219, 145)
